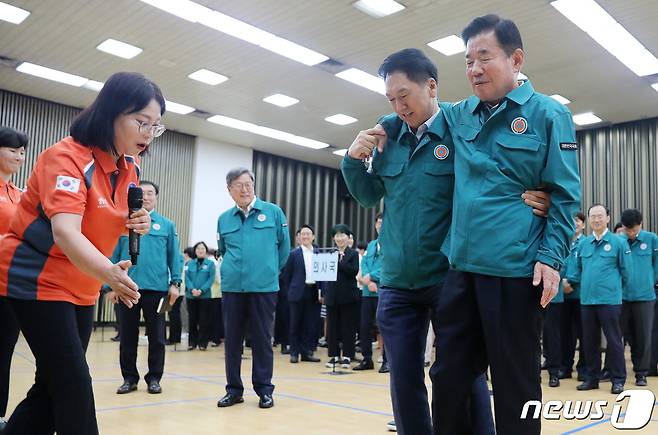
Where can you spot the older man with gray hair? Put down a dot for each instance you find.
(254, 241)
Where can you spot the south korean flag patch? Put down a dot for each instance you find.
(67, 184)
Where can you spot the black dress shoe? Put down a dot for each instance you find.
(616, 388)
(605, 376)
(294, 359)
(384, 368)
(641, 381)
(266, 401)
(588, 385)
(365, 365)
(553, 382)
(310, 358)
(154, 387)
(3, 425)
(115, 338)
(229, 400)
(127, 387)
(564, 375)
(285, 350)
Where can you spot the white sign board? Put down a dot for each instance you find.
(325, 266)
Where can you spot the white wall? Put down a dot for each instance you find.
(210, 198)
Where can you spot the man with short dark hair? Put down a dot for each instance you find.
(508, 138)
(603, 269)
(158, 275)
(639, 297)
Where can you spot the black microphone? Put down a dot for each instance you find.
(135, 203)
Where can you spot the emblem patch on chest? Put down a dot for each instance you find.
(519, 125)
(441, 152)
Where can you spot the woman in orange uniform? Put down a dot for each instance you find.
(12, 156)
(54, 258)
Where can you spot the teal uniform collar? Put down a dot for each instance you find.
(520, 95)
(258, 205)
(438, 128)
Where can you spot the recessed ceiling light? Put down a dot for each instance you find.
(586, 119)
(118, 48)
(197, 13)
(12, 14)
(181, 109)
(51, 74)
(560, 99)
(267, 132)
(378, 8)
(363, 79)
(208, 77)
(605, 30)
(94, 85)
(340, 119)
(341, 152)
(449, 45)
(281, 100)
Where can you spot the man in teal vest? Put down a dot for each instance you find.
(371, 268)
(603, 269)
(158, 275)
(639, 297)
(254, 242)
(571, 330)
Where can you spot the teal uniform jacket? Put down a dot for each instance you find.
(529, 141)
(199, 277)
(644, 250)
(159, 263)
(417, 193)
(602, 268)
(253, 251)
(569, 265)
(371, 265)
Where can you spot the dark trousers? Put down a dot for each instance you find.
(551, 338)
(253, 313)
(403, 317)
(637, 319)
(175, 324)
(571, 331)
(653, 366)
(486, 320)
(282, 320)
(8, 336)
(198, 314)
(216, 321)
(606, 317)
(61, 399)
(304, 316)
(368, 323)
(341, 328)
(129, 336)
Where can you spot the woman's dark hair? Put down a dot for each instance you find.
(197, 244)
(11, 138)
(189, 251)
(305, 226)
(341, 228)
(122, 94)
(580, 215)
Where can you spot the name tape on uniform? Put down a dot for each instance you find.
(569, 146)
